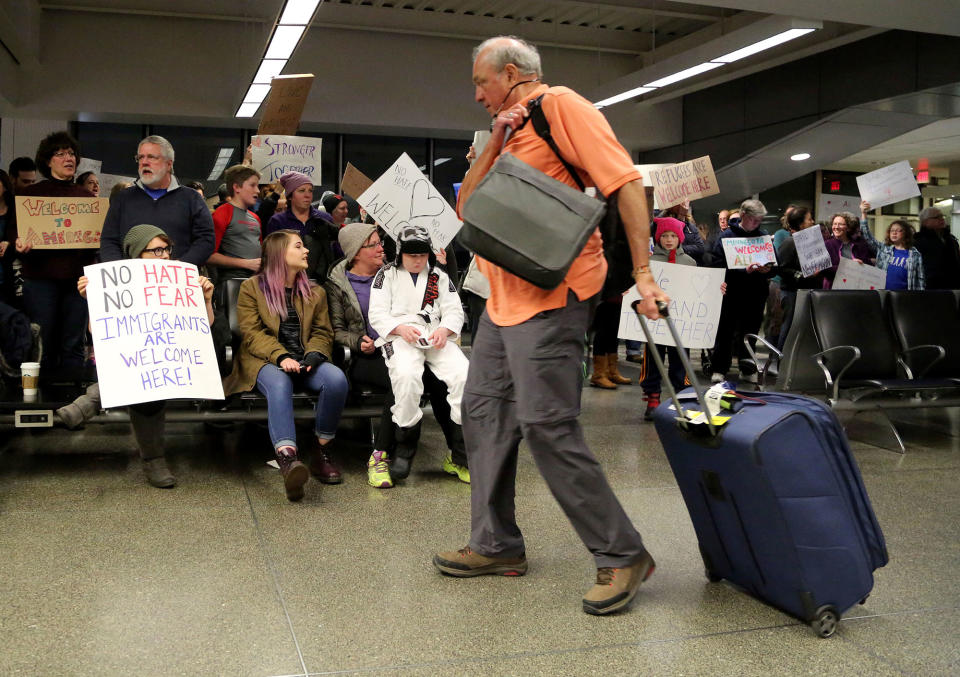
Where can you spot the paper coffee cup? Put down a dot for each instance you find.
(29, 375)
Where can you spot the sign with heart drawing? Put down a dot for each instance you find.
(853, 275)
(695, 302)
(403, 196)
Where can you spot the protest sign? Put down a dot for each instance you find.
(354, 182)
(88, 165)
(888, 185)
(151, 334)
(108, 181)
(811, 251)
(831, 204)
(695, 302)
(403, 196)
(685, 181)
(480, 139)
(273, 155)
(61, 222)
(853, 275)
(285, 102)
(745, 251)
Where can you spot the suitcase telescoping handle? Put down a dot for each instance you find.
(664, 311)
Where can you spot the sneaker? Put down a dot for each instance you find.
(378, 472)
(451, 468)
(616, 588)
(295, 475)
(465, 563)
(635, 357)
(158, 474)
(653, 401)
(717, 378)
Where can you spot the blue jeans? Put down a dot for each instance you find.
(327, 381)
(634, 347)
(675, 370)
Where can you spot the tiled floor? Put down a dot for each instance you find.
(101, 574)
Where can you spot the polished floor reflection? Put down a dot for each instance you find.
(101, 574)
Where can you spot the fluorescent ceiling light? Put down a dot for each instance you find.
(749, 50)
(800, 157)
(283, 42)
(269, 68)
(247, 110)
(623, 96)
(298, 12)
(223, 159)
(684, 74)
(256, 94)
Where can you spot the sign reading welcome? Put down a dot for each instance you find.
(61, 222)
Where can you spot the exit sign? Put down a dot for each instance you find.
(834, 186)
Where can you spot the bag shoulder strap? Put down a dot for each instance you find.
(540, 125)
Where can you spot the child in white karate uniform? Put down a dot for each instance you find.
(416, 310)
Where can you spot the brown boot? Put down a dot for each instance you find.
(612, 372)
(599, 378)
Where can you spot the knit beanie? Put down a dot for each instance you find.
(137, 239)
(330, 202)
(668, 224)
(352, 237)
(293, 180)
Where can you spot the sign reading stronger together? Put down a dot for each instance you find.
(150, 332)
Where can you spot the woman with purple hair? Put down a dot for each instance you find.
(287, 339)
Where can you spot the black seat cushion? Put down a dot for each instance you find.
(856, 318)
(928, 318)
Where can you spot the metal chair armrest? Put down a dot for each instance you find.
(833, 382)
(762, 367)
(940, 353)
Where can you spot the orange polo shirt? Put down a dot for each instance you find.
(587, 142)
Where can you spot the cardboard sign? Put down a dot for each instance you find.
(354, 182)
(686, 181)
(695, 302)
(150, 332)
(88, 165)
(285, 102)
(403, 196)
(888, 185)
(274, 155)
(831, 204)
(811, 251)
(853, 275)
(61, 222)
(745, 251)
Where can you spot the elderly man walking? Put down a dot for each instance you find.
(525, 374)
(158, 199)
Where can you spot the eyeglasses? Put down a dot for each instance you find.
(151, 158)
(160, 251)
(61, 154)
(378, 243)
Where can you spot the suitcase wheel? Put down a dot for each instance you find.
(712, 577)
(825, 622)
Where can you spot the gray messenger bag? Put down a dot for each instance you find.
(527, 222)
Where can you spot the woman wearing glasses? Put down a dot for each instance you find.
(49, 275)
(148, 419)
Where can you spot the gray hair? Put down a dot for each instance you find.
(928, 213)
(165, 147)
(752, 208)
(506, 49)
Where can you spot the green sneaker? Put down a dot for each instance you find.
(451, 468)
(378, 473)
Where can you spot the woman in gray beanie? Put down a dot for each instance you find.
(147, 419)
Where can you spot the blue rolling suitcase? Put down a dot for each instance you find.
(776, 500)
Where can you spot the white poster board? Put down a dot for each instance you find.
(151, 335)
(831, 204)
(108, 181)
(403, 196)
(811, 251)
(89, 165)
(274, 155)
(695, 302)
(745, 251)
(853, 275)
(684, 182)
(888, 185)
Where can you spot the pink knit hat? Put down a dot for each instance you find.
(668, 224)
(293, 180)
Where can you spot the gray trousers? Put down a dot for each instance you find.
(525, 383)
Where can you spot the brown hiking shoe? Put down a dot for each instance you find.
(465, 563)
(616, 588)
(295, 475)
